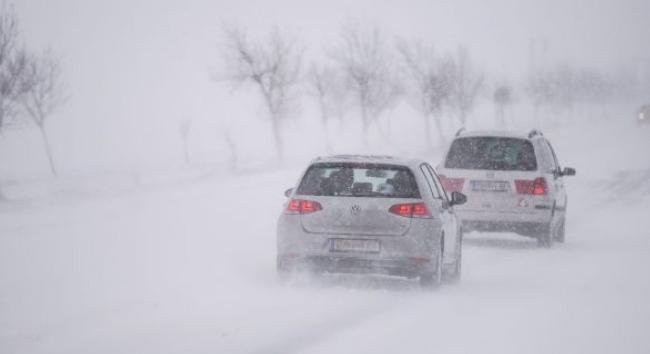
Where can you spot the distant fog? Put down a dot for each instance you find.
(134, 70)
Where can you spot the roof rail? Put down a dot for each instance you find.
(533, 133)
(460, 131)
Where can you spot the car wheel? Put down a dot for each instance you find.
(453, 276)
(545, 237)
(283, 270)
(433, 280)
(559, 235)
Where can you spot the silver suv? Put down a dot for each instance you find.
(371, 214)
(513, 183)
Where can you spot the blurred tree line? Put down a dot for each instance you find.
(366, 72)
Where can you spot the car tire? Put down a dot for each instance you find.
(559, 235)
(283, 270)
(545, 237)
(433, 280)
(453, 276)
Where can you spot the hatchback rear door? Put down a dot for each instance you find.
(356, 198)
(356, 216)
(496, 173)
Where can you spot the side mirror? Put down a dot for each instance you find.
(288, 192)
(568, 171)
(458, 198)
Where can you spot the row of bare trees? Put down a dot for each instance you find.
(562, 87)
(29, 83)
(366, 71)
(440, 80)
(363, 70)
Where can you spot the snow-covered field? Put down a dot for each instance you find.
(187, 266)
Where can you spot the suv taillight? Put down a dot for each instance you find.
(537, 186)
(452, 184)
(302, 206)
(411, 210)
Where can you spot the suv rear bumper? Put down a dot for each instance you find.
(531, 229)
(506, 216)
(531, 223)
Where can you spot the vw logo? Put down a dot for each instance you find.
(355, 209)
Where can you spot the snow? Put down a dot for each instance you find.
(132, 251)
(184, 262)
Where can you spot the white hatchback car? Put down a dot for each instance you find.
(371, 214)
(513, 183)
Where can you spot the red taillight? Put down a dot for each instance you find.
(411, 210)
(293, 206)
(535, 187)
(308, 206)
(539, 186)
(301, 206)
(452, 184)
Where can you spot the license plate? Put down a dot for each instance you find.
(354, 245)
(490, 186)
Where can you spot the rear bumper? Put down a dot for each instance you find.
(531, 229)
(535, 216)
(411, 254)
(338, 264)
(419, 242)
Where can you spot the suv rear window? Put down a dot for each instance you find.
(492, 153)
(359, 180)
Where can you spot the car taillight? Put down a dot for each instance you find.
(301, 206)
(535, 187)
(411, 210)
(452, 184)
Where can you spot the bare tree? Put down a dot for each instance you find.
(502, 98)
(431, 76)
(327, 88)
(44, 96)
(272, 66)
(466, 84)
(13, 64)
(364, 58)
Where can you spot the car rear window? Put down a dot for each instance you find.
(492, 153)
(359, 180)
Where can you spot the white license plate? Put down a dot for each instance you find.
(354, 245)
(490, 186)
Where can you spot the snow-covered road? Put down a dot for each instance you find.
(189, 268)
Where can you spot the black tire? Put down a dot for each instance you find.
(559, 235)
(283, 270)
(453, 276)
(545, 237)
(433, 280)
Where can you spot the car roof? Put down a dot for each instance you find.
(500, 133)
(370, 159)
